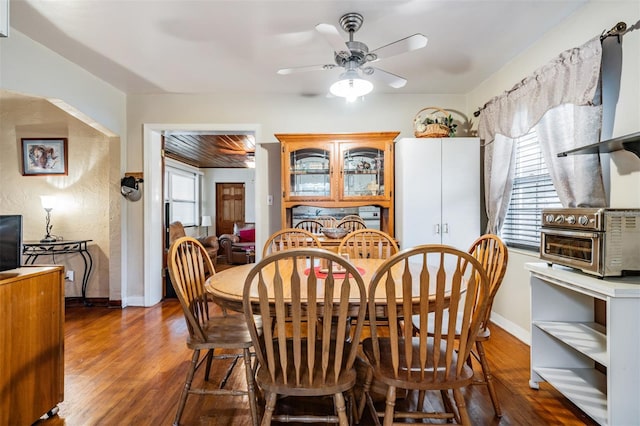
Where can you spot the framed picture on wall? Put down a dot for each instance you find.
(44, 156)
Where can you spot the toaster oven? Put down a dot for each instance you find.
(599, 241)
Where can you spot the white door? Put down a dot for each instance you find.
(418, 191)
(437, 191)
(460, 192)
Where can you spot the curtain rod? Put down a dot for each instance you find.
(618, 30)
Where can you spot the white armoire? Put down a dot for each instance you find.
(437, 191)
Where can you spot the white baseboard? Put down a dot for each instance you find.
(511, 328)
(138, 301)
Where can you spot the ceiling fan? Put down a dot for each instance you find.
(354, 56)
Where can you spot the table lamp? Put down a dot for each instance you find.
(48, 202)
(206, 222)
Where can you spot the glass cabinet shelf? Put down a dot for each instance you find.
(363, 170)
(310, 172)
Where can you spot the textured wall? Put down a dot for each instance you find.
(84, 202)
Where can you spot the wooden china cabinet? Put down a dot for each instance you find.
(334, 170)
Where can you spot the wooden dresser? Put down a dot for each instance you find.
(31, 338)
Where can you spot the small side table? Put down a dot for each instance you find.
(251, 255)
(33, 249)
(242, 253)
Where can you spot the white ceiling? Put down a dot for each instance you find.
(234, 47)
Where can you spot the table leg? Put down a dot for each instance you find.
(88, 266)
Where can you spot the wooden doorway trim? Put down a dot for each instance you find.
(230, 201)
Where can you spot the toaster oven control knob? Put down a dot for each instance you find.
(548, 218)
(559, 219)
(583, 220)
(571, 219)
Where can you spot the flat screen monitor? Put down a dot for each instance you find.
(10, 242)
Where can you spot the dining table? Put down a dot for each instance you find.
(226, 287)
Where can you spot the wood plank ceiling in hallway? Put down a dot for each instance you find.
(210, 150)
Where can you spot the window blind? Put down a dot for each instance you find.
(532, 191)
(181, 192)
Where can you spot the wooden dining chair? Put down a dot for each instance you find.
(311, 225)
(299, 354)
(439, 279)
(327, 221)
(368, 244)
(493, 254)
(352, 217)
(351, 224)
(290, 238)
(189, 265)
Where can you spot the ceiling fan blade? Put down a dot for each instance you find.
(286, 71)
(414, 42)
(332, 36)
(388, 78)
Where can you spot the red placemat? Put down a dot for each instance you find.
(335, 274)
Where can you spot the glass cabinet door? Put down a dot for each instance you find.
(310, 172)
(363, 173)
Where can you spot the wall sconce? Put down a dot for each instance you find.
(48, 203)
(206, 222)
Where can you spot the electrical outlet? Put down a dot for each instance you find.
(69, 275)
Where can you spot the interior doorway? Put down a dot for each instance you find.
(230, 200)
(151, 250)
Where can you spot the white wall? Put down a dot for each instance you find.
(511, 305)
(29, 68)
(274, 188)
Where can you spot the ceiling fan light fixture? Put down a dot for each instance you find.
(351, 86)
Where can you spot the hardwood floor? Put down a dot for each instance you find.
(127, 367)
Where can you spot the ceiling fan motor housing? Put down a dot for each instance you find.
(351, 22)
(359, 53)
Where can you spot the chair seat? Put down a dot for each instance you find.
(229, 332)
(314, 387)
(385, 373)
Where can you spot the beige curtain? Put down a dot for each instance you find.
(577, 178)
(558, 98)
